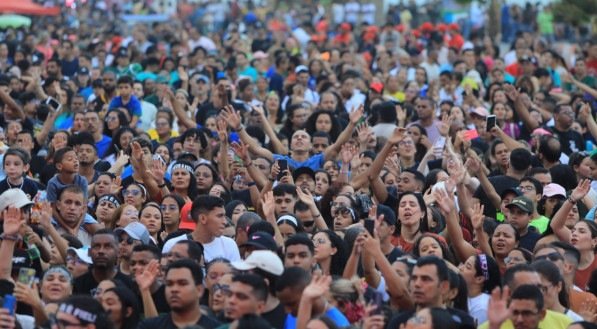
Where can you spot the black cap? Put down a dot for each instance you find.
(262, 241)
(303, 170)
(83, 71)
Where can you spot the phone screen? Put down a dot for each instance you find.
(53, 103)
(490, 122)
(370, 226)
(283, 164)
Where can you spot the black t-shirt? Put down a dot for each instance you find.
(500, 183)
(84, 284)
(570, 141)
(164, 321)
(463, 319)
(529, 240)
(394, 254)
(276, 317)
(30, 187)
(159, 299)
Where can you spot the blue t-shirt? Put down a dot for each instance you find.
(55, 185)
(315, 162)
(103, 146)
(133, 106)
(333, 313)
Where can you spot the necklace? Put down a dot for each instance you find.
(10, 185)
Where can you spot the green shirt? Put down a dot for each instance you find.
(540, 223)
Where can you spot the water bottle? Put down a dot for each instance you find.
(32, 250)
(589, 146)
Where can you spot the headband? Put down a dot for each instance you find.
(287, 218)
(59, 269)
(110, 198)
(484, 266)
(80, 314)
(183, 166)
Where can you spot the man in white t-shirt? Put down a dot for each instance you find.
(209, 214)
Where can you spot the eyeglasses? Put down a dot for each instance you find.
(517, 260)
(320, 241)
(131, 192)
(171, 207)
(526, 188)
(223, 287)
(406, 143)
(74, 259)
(554, 257)
(108, 119)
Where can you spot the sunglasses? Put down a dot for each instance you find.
(308, 223)
(128, 240)
(554, 257)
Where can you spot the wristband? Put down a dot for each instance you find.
(571, 200)
(251, 184)
(162, 185)
(10, 237)
(241, 127)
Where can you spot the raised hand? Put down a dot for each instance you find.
(371, 320)
(478, 216)
(363, 130)
(348, 153)
(116, 185)
(498, 311)
(242, 151)
(588, 311)
(269, 205)
(229, 114)
(158, 170)
(221, 127)
(511, 92)
(122, 159)
(444, 201)
(45, 215)
(27, 294)
(400, 113)
(12, 220)
(7, 321)
(581, 190)
(305, 196)
(182, 74)
(356, 115)
(319, 286)
(259, 109)
(397, 136)
(136, 152)
(444, 125)
(392, 164)
(473, 165)
(146, 278)
(275, 171)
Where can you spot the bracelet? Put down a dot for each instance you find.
(572, 200)
(241, 127)
(251, 184)
(10, 237)
(272, 179)
(162, 185)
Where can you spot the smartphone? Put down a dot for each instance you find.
(369, 225)
(53, 104)
(229, 95)
(283, 165)
(26, 276)
(9, 303)
(490, 122)
(377, 300)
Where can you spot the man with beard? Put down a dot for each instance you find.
(184, 287)
(104, 254)
(570, 140)
(96, 128)
(88, 160)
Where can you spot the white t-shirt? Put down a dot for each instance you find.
(220, 247)
(477, 307)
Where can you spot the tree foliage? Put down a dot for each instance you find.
(575, 12)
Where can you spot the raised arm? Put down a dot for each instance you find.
(332, 151)
(14, 106)
(183, 118)
(269, 131)
(558, 222)
(230, 115)
(378, 187)
(11, 226)
(510, 142)
(447, 207)
(520, 108)
(475, 167)
(147, 175)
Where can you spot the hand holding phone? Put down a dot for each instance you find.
(490, 122)
(53, 104)
(370, 225)
(283, 165)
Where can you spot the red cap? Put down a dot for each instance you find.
(454, 27)
(400, 28)
(377, 87)
(186, 222)
(442, 27)
(416, 33)
(321, 26)
(345, 27)
(426, 27)
(318, 37)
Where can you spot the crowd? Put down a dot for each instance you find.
(239, 167)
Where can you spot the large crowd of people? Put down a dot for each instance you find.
(240, 166)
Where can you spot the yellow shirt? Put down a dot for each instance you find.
(552, 320)
(153, 134)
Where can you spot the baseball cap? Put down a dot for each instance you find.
(480, 111)
(377, 87)
(259, 55)
(82, 253)
(513, 190)
(265, 260)
(523, 203)
(554, 189)
(262, 241)
(83, 71)
(303, 170)
(136, 231)
(14, 197)
(202, 77)
(186, 221)
(301, 68)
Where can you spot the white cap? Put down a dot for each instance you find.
(136, 231)
(265, 260)
(15, 198)
(82, 253)
(301, 68)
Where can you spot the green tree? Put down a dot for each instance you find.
(575, 12)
